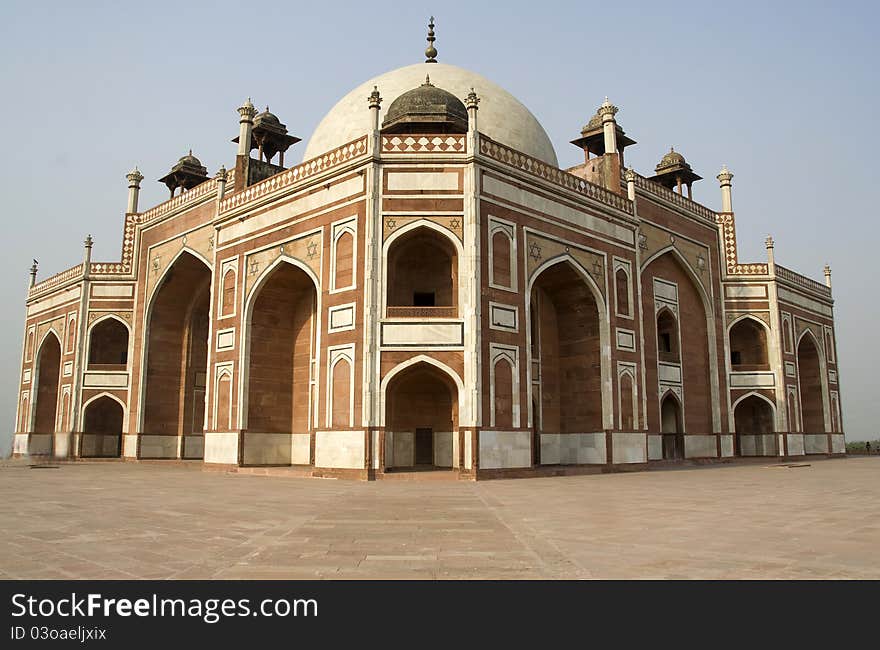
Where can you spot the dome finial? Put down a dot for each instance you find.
(431, 51)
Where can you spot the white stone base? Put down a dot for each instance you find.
(726, 446)
(39, 444)
(63, 447)
(20, 444)
(505, 449)
(655, 447)
(340, 449)
(96, 446)
(276, 448)
(129, 445)
(757, 444)
(628, 448)
(159, 447)
(700, 446)
(795, 444)
(573, 449)
(838, 443)
(816, 443)
(221, 448)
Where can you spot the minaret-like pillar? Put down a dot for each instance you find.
(375, 103)
(471, 102)
(245, 127)
(611, 168)
(771, 260)
(221, 177)
(134, 187)
(630, 176)
(724, 177)
(87, 255)
(609, 126)
(34, 272)
(247, 112)
(827, 270)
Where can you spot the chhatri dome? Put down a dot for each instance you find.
(502, 117)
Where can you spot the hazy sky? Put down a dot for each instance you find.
(786, 94)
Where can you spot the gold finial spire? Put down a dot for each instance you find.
(431, 51)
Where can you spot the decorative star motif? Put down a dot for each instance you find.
(534, 251)
(643, 242)
(312, 249)
(454, 224)
(701, 263)
(255, 267)
(597, 268)
(183, 241)
(211, 242)
(672, 239)
(156, 263)
(391, 223)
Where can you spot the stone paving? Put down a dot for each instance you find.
(127, 520)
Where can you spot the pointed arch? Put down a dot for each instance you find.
(421, 358)
(711, 334)
(174, 353)
(102, 423)
(749, 341)
(604, 333)
(813, 384)
(46, 383)
(245, 360)
(111, 348)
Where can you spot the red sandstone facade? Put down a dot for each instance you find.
(429, 297)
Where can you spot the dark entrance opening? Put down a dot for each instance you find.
(424, 446)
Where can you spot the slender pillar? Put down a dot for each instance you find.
(630, 176)
(245, 127)
(221, 177)
(134, 187)
(724, 178)
(609, 127)
(87, 255)
(375, 103)
(828, 275)
(34, 272)
(472, 104)
(771, 260)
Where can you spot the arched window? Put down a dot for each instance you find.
(748, 345)
(829, 346)
(228, 306)
(786, 337)
(503, 403)
(341, 387)
(108, 343)
(422, 275)
(344, 272)
(224, 400)
(810, 376)
(501, 259)
(667, 336)
(71, 335)
(621, 284)
(627, 402)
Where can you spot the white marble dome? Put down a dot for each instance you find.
(502, 117)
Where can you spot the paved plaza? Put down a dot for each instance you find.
(122, 520)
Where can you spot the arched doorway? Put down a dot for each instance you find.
(48, 373)
(102, 429)
(671, 427)
(421, 418)
(810, 377)
(754, 425)
(282, 333)
(108, 345)
(177, 362)
(748, 346)
(565, 345)
(422, 275)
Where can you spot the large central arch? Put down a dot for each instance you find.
(279, 395)
(45, 404)
(176, 363)
(755, 424)
(568, 331)
(697, 354)
(810, 377)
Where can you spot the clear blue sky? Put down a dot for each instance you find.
(786, 94)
